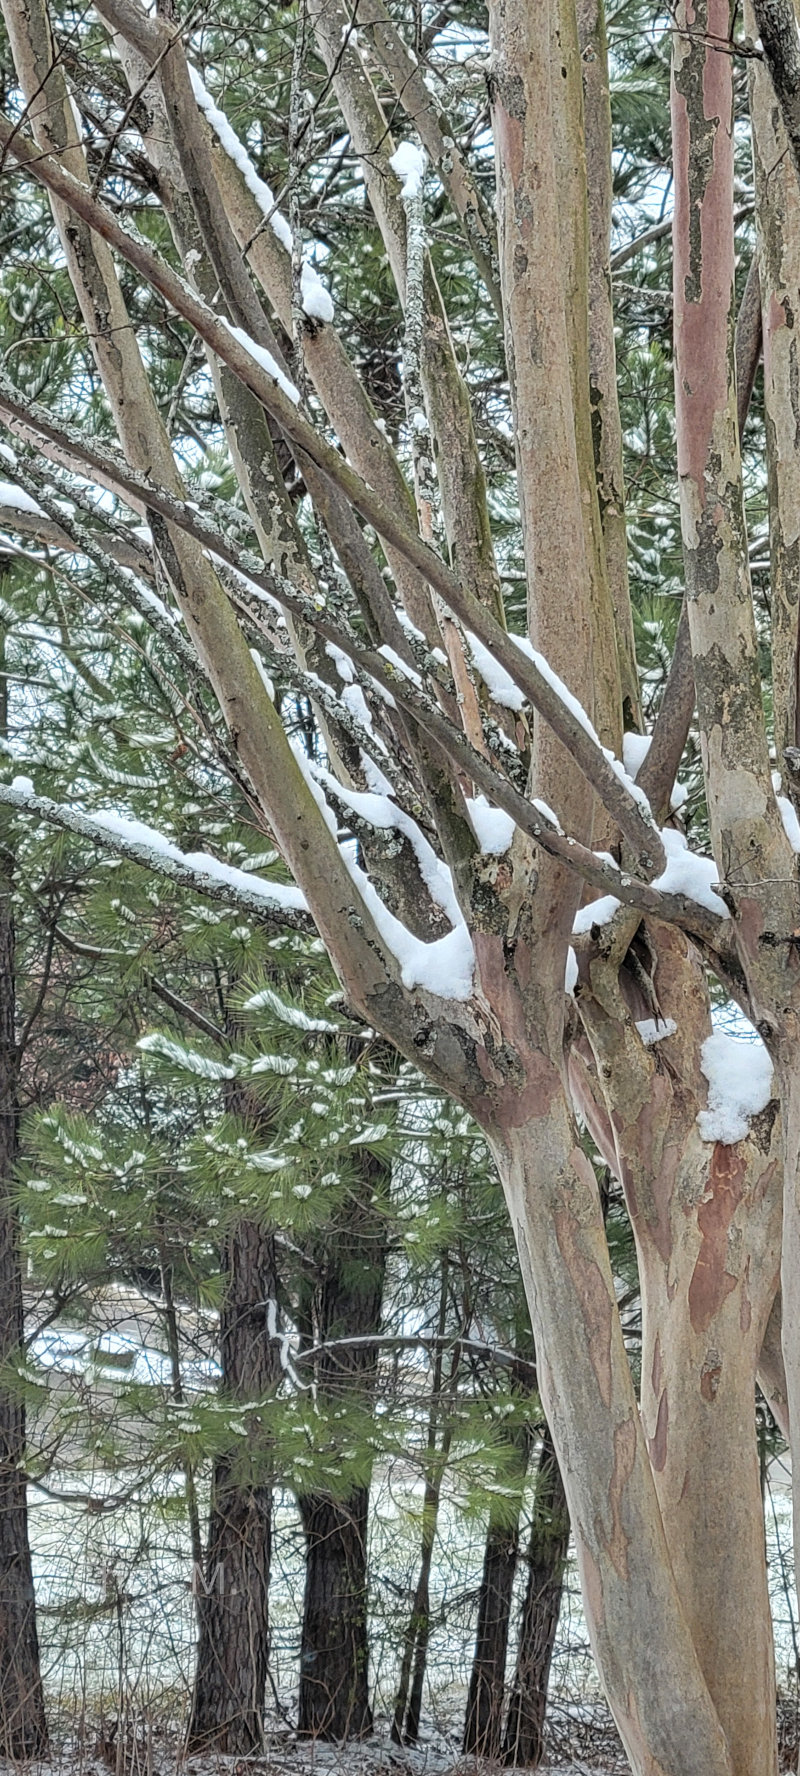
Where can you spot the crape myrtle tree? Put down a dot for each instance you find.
(479, 769)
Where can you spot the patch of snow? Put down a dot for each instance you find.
(547, 812)
(571, 972)
(494, 830)
(444, 967)
(400, 665)
(343, 665)
(686, 873)
(596, 912)
(739, 1074)
(228, 139)
(18, 500)
(499, 684)
(316, 299)
(653, 1030)
(383, 813)
(147, 839)
(635, 748)
(408, 162)
(264, 358)
(788, 814)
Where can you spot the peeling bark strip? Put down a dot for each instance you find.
(746, 833)
(631, 1599)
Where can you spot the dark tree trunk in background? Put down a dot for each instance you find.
(23, 1730)
(547, 1557)
(483, 1726)
(345, 1302)
(334, 1656)
(233, 1642)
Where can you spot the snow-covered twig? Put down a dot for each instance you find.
(197, 870)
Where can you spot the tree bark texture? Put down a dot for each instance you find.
(546, 1559)
(23, 1729)
(345, 1301)
(233, 1645)
(484, 1716)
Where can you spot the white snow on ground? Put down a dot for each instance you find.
(739, 1074)
(408, 162)
(317, 301)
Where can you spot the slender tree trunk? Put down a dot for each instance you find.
(484, 1717)
(23, 1730)
(523, 1741)
(346, 1302)
(408, 1701)
(233, 1646)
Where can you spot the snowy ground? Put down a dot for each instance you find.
(117, 1634)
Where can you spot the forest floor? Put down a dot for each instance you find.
(581, 1741)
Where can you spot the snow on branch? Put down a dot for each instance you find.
(673, 905)
(142, 844)
(316, 299)
(606, 776)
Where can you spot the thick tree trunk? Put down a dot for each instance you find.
(706, 1216)
(639, 1632)
(523, 1741)
(334, 1676)
(233, 1645)
(23, 1731)
(345, 1302)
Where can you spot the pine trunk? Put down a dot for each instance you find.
(344, 1303)
(523, 1742)
(483, 1725)
(233, 1642)
(334, 1688)
(484, 1718)
(23, 1730)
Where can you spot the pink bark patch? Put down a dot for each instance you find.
(616, 1542)
(712, 1282)
(597, 1309)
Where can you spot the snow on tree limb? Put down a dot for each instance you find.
(640, 831)
(206, 875)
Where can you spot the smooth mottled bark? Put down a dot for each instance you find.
(778, 223)
(636, 1621)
